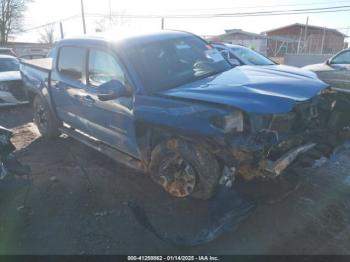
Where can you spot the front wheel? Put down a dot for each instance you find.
(184, 169)
(47, 124)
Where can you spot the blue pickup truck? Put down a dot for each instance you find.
(169, 104)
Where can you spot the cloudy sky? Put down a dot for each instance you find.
(41, 12)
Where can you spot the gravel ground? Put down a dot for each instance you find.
(75, 202)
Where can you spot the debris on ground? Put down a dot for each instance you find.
(320, 162)
(340, 149)
(8, 162)
(226, 211)
(53, 179)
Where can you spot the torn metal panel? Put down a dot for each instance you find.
(6, 147)
(8, 162)
(276, 168)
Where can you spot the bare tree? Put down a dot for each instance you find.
(11, 16)
(47, 35)
(110, 21)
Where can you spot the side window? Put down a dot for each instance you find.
(71, 62)
(103, 68)
(343, 58)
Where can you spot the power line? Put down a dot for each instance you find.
(263, 6)
(264, 13)
(50, 23)
(241, 14)
(331, 9)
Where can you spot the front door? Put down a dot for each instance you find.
(109, 121)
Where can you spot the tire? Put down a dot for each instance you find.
(184, 169)
(46, 122)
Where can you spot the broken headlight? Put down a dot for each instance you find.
(228, 123)
(4, 87)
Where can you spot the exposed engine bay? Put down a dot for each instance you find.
(273, 142)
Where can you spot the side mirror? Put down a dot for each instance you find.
(112, 90)
(328, 62)
(234, 62)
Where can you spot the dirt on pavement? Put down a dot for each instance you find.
(75, 202)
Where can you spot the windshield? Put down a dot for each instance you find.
(170, 63)
(8, 64)
(250, 57)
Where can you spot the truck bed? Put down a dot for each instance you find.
(41, 64)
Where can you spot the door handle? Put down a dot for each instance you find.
(88, 100)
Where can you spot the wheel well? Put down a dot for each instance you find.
(148, 136)
(31, 96)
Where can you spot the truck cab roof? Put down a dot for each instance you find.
(128, 39)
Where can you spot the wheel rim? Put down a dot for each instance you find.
(41, 117)
(177, 176)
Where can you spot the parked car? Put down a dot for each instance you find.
(335, 71)
(169, 104)
(7, 51)
(33, 56)
(238, 55)
(12, 91)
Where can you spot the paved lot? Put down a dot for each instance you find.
(75, 202)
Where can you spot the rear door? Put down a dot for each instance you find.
(68, 86)
(109, 121)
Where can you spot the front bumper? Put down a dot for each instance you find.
(269, 159)
(276, 168)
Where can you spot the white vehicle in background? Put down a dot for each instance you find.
(335, 71)
(11, 85)
(238, 55)
(7, 51)
(33, 56)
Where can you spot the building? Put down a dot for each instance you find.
(255, 41)
(21, 48)
(301, 38)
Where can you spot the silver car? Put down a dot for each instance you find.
(11, 86)
(238, 55)
(335, 71)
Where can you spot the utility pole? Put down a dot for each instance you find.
(110, 11)
(61, 29)
(162, 23)
(347, 33)
(305, 35)
(83, 16)
(323, 37)
(300, 35)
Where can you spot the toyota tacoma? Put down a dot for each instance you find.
(169, 104)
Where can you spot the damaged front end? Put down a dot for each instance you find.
(270, 143)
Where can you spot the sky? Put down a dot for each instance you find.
(40, 12)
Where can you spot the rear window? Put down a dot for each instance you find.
(71, 62)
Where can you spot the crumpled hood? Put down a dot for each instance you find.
(252, 89)
(10, 75)
(291, 69)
